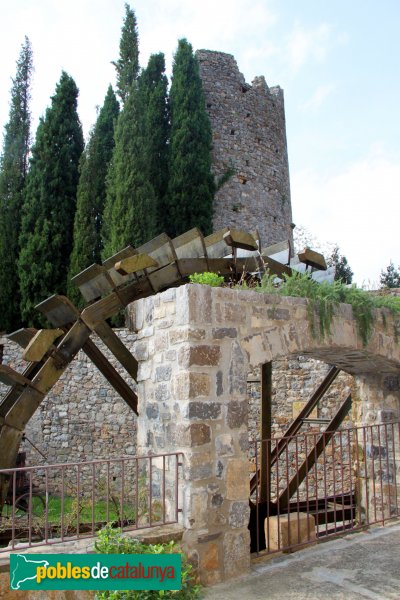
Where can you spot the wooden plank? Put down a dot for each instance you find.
(279, 252)
(313, 259)
(118, 348)
(109, 264)
(23, 336)
(10, 397)
(29, 400)
(93, 282)
(135, 290)
(101, 310)
(276, 268)
(188, 266)
(296, 425)
(165, 277)
(40, 344)
(190, 244)
(10, 377)
(215, 244)
(58, 310)
(159, 248)
(314, 454)
(135, 263)
(240, 239)
(111, 374)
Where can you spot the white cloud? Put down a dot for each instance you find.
(357, 208)
(303, 44)
(319, 96)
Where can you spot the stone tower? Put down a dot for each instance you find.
(249, 141)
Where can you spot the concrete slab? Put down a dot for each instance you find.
(358, 566)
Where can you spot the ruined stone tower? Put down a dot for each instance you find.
(249, 140)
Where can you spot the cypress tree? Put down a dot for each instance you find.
(191, 183)
(153, 85)
(127, 65)
(13, 169)
(130, 211)
(50, 200)
(87, 244)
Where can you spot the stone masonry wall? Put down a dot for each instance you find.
(196, 346)
(249, 137)
(83, 418)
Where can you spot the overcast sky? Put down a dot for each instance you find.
(337, 61)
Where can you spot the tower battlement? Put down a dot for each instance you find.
(249, 140)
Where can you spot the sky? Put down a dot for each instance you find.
(337, 61)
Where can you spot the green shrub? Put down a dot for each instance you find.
(324, 297)
(207, 278)
(112, 541)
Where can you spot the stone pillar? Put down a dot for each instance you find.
(192, 398)
(377, 402)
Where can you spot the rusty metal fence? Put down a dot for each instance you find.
(51, 504)
(319, 484)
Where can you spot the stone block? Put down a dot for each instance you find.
(191, 385)
(239, 514)
(204, 410)
(236, 553)
(237, 413)
(199, 434)
(224, 445)
(203, 355)
(223, 332)
(237, 479)
(210, 559)
(283, 532)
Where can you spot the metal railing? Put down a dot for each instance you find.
(50, 504)
(322, 484)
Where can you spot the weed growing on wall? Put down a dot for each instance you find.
(324, 297)
(207, 278)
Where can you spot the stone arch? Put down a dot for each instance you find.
(198, 344)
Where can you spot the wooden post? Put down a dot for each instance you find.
(266, 432)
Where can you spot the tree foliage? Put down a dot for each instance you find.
(191, 184)
(131, 204)
(127, 65)
(95, 160)
(343, 271)
(391, 277)
(13, 169)
(153, 88)
(50, 200)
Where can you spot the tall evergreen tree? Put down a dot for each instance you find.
(127, 65)
(13, 170)
(153, 86)
(50, 200)
(191, 183)
(91, 197)
(130, 211)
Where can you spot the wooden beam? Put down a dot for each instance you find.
(314, 454)
(10, 377)
(40, 344)
(279, 252)
(296, 425)
(215, 244)
(240, 239)
(93, 282)
(313, 259)
(190, 244)
(111, 374)
(118, 348)
(275, 267)
(161, 249)
(109, 264)
(135, 263)
(23, 336)
(58, 310)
